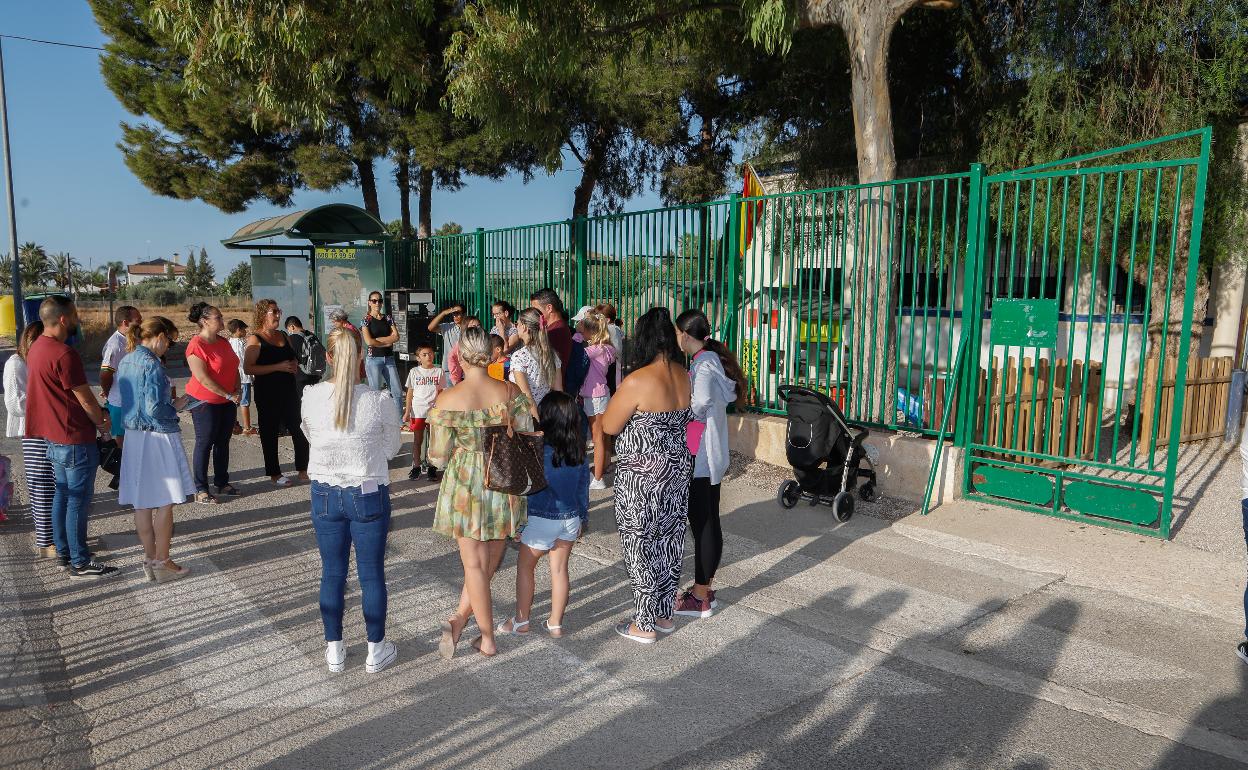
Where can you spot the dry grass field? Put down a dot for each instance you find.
(97, 326)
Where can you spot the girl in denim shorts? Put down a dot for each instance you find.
(558, 515)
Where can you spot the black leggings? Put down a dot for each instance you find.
(708, 537)
(276, 412)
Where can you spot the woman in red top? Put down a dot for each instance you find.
(214, 382)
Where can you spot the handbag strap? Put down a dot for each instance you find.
(508, 419)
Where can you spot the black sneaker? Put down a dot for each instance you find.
(1242, 651)
(433, 473)
(62, 563)
(414, 473)
(93, 570)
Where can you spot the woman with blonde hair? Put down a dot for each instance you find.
(479, 519)
(352, 436)
(535, 366)
(155, 475)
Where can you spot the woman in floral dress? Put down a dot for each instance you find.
(479, 519)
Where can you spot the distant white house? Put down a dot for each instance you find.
(155, 269)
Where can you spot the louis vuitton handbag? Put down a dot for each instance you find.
(513, 458)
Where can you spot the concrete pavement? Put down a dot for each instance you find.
(977, 637)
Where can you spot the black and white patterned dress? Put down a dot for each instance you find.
(652, 472)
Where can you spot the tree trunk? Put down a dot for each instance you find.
(368, 185)
(591, 170)
(424, 202)
(868, 27)
(403, 178)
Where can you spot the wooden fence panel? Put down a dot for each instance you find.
(1033, 408)
(1204, 404)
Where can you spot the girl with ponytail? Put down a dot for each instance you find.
(717, 381)
(535, 366)
(352, 436)
(155, 475)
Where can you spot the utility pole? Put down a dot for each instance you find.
(18, 315)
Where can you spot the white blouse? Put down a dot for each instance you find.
(362, 452)
(15, 396)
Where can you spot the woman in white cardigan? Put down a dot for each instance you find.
(717, 381)
(40, 482)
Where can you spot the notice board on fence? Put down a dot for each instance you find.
(345, 276)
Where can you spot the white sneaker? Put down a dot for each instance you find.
(598, 484)
(380, 655)
(336, 656)
(283, 481)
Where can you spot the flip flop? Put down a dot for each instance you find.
(476, 644)
(450, 638)
(623, 630)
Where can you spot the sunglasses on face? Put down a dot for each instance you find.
(374, 301)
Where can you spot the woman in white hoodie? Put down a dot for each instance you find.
(717, 381)
(40, 483)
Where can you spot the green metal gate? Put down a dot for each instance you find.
(1084, 276)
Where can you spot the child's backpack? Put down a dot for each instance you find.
(312, 360)
(578, 369)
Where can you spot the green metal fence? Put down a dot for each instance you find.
(1043, 283)
(1087, 270)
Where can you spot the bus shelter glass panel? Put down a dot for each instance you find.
(345, 275)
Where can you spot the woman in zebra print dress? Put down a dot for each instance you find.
(649, 415)
(40, 483)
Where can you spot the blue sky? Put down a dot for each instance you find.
(74, 193)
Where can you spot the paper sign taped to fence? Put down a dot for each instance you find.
(1029, 323)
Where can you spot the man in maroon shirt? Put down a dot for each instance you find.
(550, 306)
(61, 410)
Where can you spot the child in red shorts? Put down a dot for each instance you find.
(424, 382)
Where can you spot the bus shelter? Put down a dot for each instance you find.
(316, 262)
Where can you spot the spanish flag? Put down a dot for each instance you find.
(751, 211)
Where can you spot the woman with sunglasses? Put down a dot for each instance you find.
(270, 360)
(379, 335)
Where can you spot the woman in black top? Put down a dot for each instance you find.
(271, 361)
(379, 334)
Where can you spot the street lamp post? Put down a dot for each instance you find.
(18, 315)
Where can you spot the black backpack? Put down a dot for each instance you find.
(578, 369)
(312, 356)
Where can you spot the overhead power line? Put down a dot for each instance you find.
(52, 42)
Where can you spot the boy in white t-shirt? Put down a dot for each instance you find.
(238, 341)
(424, 382)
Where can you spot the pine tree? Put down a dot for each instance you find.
(207, 273)
(191, 276)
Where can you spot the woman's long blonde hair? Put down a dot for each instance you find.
(345, 349)
(539, 344)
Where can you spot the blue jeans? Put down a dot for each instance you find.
(342, 516)
(214, 427)
(1244, 509)
(73, 468)
(379, 369)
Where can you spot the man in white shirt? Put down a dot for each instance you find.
(115, 350)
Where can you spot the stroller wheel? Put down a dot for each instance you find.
(843, 506)
(868, 493)
(789, 493)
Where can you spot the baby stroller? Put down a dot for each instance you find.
(817, 434)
